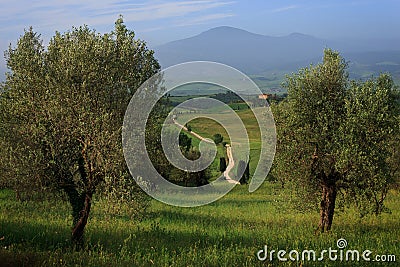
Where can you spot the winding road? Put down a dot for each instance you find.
(193, 133)
(231, 162)
(230, 165)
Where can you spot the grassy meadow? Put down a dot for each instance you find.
(228, 232)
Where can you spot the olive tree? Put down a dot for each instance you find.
(185, 142)
(334, 136)
(218, 138)
(370, 137)
(62, 110)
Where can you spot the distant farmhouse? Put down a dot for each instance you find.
(264, 96)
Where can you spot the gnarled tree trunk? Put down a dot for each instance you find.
(81, 204)
(78, 230)
(327, 206)
(85, 203)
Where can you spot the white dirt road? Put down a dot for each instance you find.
(193, 133)
(231, 163)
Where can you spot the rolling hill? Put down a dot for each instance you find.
(249, 52)
(269, 58)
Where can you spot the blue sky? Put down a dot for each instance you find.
(159, 21)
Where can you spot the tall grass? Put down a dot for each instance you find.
(228, 232)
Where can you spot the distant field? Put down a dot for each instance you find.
(207, 128)
(197, 89)
(221, 151)
(271, 81)
(268, 82)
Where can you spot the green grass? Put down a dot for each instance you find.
(196, 89)
(221, 152)
(207, 128)
(239, 106)
(228, 232)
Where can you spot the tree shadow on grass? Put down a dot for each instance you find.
(40, 235)
(11, 259)
(31, 244)
(172, 230)
(22, 243)
(176, 231)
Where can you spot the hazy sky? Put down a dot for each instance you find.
(159, 21)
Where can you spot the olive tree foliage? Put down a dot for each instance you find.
(62, 110)
(370, 138)
(335, 137)
(185, 142)
(218, 138)
(157, 156)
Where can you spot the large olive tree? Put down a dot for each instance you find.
(336, 136)
(62, 110)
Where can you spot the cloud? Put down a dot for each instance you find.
(57, 13)
(48, 16)
(285, 8)
(170, 9)
(204, 19)
(190, 22)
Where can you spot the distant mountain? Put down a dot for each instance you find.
(249, 52)
(265, 55)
